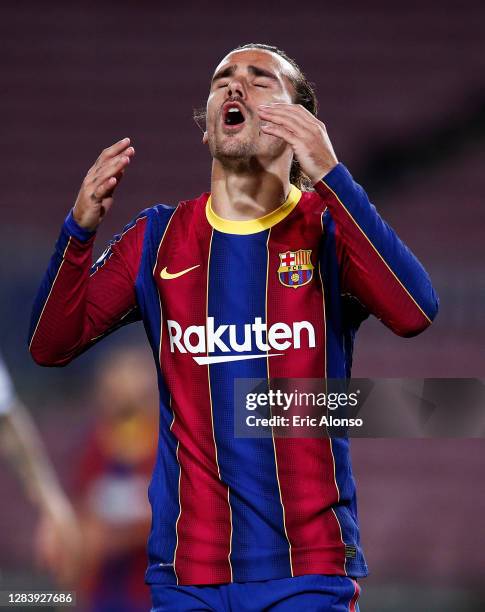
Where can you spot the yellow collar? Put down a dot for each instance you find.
(252, 226)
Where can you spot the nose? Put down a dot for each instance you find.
(236, 88)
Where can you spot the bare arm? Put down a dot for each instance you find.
(59, 544)
(27, 456)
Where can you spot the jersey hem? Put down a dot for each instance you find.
(163, 575)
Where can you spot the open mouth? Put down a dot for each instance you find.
(233, 114)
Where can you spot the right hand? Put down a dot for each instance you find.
(95, 197)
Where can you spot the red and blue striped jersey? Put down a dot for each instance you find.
(217, 299)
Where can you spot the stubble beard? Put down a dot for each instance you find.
(234, 154)
(240, 156)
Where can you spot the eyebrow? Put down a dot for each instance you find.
(255, 70)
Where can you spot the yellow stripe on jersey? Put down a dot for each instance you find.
(252, 226)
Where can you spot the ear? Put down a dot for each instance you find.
(205, 138)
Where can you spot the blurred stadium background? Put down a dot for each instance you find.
(401, 90)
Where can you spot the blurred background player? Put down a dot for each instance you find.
(110, 486)
(58, 539)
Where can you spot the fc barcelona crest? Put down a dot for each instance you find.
(296, 268)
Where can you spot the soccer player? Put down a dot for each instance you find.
(267, 276)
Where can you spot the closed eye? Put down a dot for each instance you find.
(261, 83)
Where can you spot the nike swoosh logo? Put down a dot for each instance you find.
(167, 276)
(223, 359)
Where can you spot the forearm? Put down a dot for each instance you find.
(78, 305)
(59, 327)
(71, 311)
(27, 456)
(376, 266)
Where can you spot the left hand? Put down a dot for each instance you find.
(304, 133)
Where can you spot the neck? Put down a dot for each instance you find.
(243, 195)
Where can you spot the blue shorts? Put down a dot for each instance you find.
(312, 592)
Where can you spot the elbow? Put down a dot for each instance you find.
(410, 331)
(416, 323)
(48, 359)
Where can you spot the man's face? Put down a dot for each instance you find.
(243, 80)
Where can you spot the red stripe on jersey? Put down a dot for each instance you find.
(305, 466)
(355, 597)
(204, 523)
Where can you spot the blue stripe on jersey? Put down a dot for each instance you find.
(76, 230)
(48, 280)
(237, 295)
(339, 360)
(108, 252)
(165, 477)
(331, 284)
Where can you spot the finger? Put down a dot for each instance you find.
(104, 189)
(115, 162)
(129, 152)
(288, 118)
(298, 109)
(286, 123)
(118, 176)
(113, 150)
(281, 132)
(100, 166)
(111, 169)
